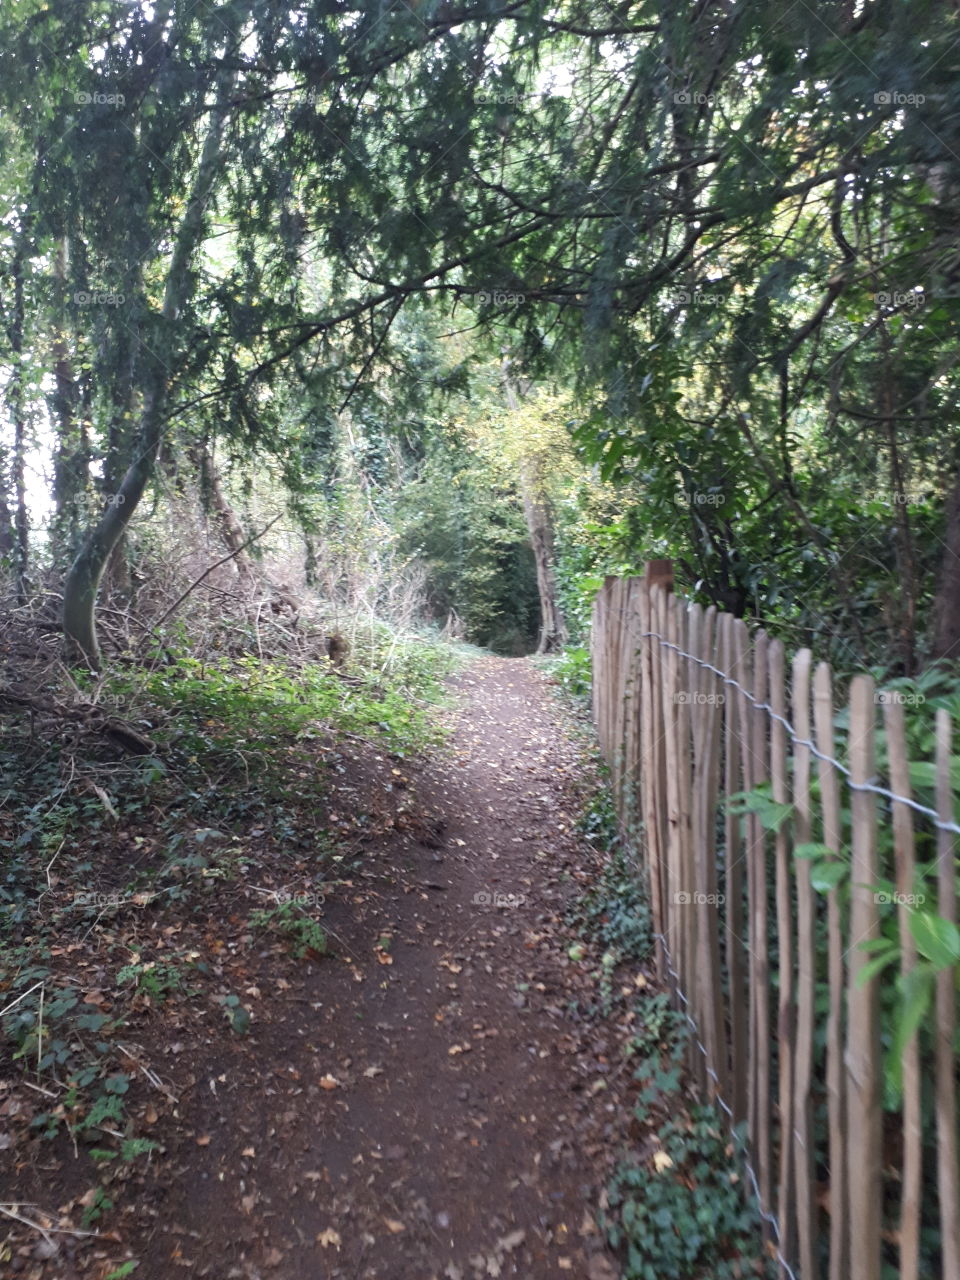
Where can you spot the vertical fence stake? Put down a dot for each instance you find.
(864, 1114)
(836, 1094)
(806, 1216)
(906, 872)
(946, 1005)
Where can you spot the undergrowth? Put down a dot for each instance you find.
(571, 670)
(95, 844)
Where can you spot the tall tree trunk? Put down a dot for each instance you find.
(906, 559)
(71, 460)
(83, 580)
(230, 527)
(117, 575)
(6, 511)
(946, 605)
(536, 508)
(17, 401)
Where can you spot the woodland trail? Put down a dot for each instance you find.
(424, 1109)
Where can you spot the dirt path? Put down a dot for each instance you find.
(422, 1103)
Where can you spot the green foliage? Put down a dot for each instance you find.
(598, 818)
(686, 1217)
(658, 1052)
(614, 914)
(53, 1033)
(771, 813)
(616, 911)
(151, 979)
(572, 670)
(99, 1204)
(465, 525)
(232, 708)
(683, 1213)
(291, 922)
(238, 1018)
(232, 728)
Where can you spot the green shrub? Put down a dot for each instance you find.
(683, 1214)
(574, 672)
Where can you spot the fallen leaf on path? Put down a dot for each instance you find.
(329, 1082)
(203, 1140)
(329, 1237)
(513, 1240)
(394, 1226)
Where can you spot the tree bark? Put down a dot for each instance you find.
(946, 605)
(230, 527)
(16, 400)
(71, 461)
(904, 543)
(536, 507)
(6, 513)
(83, 580)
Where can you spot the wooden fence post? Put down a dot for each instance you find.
(836, 1094)
(806, 1216)
(946, 1007)
(863, 1057)
(759, 943)
(784, 913)
(904, 852)
(736, 778)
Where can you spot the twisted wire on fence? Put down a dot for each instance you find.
(871, 787)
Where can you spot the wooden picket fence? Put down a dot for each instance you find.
(692, 709)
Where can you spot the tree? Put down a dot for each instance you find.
(531, 441)
(753, 250)
(263, 119)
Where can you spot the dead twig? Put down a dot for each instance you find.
(9, 1211)
(150, 1075)
(206, 573)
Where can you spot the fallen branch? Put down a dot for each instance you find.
(22, 996)
(150, 1075)
(85, 713)
(9, 1211)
